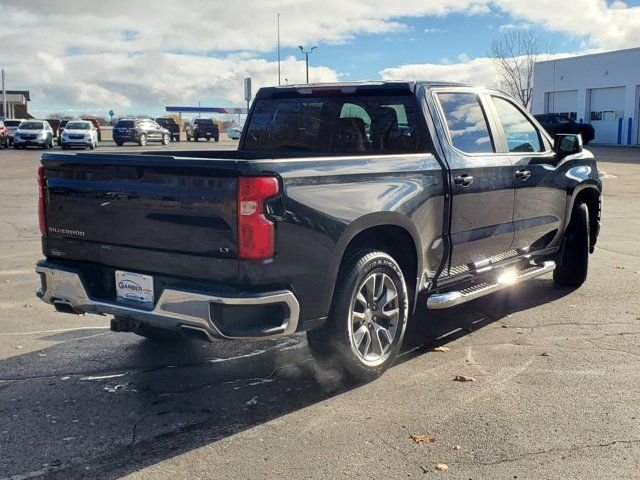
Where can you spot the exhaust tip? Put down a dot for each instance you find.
(63, 306)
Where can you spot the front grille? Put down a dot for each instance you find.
(76, 137)
(28, 137)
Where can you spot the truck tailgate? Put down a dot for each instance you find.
(155, 204)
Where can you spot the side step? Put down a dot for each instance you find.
(505, 280)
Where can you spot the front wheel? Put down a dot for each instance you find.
(143, 140)
(367, 319)
(574, 262)
(166, 139)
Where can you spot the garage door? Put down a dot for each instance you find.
(564, 103)
(607, 107)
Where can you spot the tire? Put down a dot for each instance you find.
(166, 139)
(119, 144)
(346, 342)
(573, 266)
(195, 138)
(217, 139)
(177, 138)
(143, 140)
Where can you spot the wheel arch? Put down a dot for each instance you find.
(590, 195)
(390, 232)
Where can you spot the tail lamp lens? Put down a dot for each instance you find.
(255, 231)
(42, 185)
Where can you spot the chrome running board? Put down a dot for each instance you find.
(506, 279)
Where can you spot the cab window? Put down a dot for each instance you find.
(520, 134)
(466, 122)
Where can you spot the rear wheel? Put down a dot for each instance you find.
(119, 144)
(367, 319)
(217, 139)
(195, 138)
(574, 263)
(143, 140)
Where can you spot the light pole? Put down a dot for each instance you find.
(306, 56)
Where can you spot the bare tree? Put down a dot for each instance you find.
(514, 56)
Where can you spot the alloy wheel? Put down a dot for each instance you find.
(375, 314)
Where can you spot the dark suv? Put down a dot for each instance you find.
(556, 123)
(140, 131)
(171, 125)
(203, 128)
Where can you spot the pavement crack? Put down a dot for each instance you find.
(134, 430)
(560, 450)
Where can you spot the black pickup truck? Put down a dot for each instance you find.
(344, 206)
(202, 128)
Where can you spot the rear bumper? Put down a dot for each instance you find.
(175, 309)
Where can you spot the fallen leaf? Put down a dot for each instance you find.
(441, 349)
(442, 467)
(426, 439)
(463, 378)
(42, 354)
(505, 326)
(19, 347)
(457, 447)
(252, 402)
(27, 305)
(544, 354)
(619, 267)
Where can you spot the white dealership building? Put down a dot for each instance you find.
(602, 89)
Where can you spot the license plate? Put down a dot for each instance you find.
(134, 286)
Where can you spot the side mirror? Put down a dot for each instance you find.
(566, 144)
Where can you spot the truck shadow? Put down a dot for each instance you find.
(109, 404)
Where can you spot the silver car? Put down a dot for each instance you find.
(34, 133)
(234, 133)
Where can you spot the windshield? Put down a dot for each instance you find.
(78, 126)
(165, 121)
(340, 124)
(563, 119)
(31, 126)
(203, 121)
(125, 123)
(12, 123)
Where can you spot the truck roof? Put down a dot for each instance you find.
(407, 86)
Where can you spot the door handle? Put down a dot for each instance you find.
(463, 180)
(523, 174)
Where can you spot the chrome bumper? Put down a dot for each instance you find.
(174, 310)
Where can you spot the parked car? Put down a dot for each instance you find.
(12, 125)
(33, 133)
(202, 128)
(55, 126)
(96, 124)
(4, 135)
(234, 133)
(140, 131)
(63, 123)
(79, 133)
(314, 224)
(555, 123)
(171, 125)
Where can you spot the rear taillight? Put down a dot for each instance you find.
(42, 185)
(255, 231)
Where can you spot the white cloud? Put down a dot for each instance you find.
(148, 53)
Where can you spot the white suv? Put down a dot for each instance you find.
(79, 133)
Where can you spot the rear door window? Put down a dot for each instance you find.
(466, 122)
(339, 124)
(519, 132)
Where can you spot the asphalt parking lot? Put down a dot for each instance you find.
(556, 391)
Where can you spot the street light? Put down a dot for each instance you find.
(306, 55)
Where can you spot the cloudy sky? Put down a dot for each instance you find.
(137, 56)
